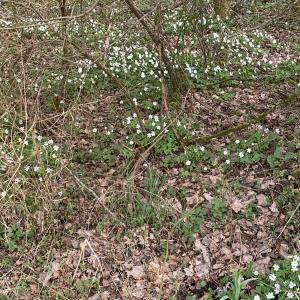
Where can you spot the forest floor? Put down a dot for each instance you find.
(175, 229)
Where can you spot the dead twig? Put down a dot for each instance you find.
(38, 23)
(83, 185)
(288, 221)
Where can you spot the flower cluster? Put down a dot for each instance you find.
(283, 281)
(25, 157)
(137, 63)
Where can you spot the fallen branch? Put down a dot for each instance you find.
(207, 138)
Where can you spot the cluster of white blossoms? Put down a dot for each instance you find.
(25, 156)
(241, 49)
(286, 289)
(266, 130)
(246, 151)
(136, 62)
(153, 125)
(295, 263)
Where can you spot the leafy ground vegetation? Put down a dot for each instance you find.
(149, 150)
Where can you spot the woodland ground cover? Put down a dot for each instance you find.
(149, 150)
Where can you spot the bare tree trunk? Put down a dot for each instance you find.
(222, 8)
(297, 4)
(179, 84)
(64, 13)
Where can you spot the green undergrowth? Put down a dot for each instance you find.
(281, 281)
(181, 190)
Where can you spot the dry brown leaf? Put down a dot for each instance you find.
(54, 273)
(274, 208)
(202, 262)
(247, 259)
(236, 205)
(137, 272)
(189, 272)
(95, 297)
(261, 200)
(154, 267)
(213, 179)
(284, 250)
(5, 292)
(138, 294)
(207, 196)
(33, 288)
(194, 199)
(45, 278)
(55, 269)
(105, 296)
(261, 265)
